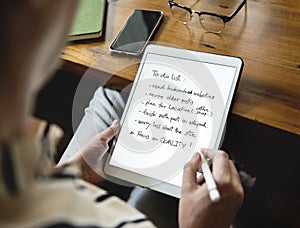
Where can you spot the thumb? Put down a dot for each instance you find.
(109, 132)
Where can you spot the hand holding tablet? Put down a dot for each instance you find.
(178, 104)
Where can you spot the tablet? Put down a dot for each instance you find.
(179, 103)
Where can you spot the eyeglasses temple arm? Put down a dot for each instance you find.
(236, 11)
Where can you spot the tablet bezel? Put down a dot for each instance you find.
(130, 178)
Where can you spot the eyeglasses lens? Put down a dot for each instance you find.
(212, 23)
(181, 14)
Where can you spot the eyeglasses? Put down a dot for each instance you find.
(211, 22)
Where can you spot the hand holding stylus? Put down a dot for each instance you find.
(196, 206)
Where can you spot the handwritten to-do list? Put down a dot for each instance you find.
(176, 107)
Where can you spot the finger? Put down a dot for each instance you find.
(235, 175)
(109, 133)
(209, 153)
(221, 166)
(189, 180)
(236, 183)
(115, 126)
(200, 178)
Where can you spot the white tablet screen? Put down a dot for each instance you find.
(178, 105)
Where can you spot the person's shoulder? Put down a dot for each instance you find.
(65, 201)
(82, 201)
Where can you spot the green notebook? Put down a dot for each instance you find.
(89, 20)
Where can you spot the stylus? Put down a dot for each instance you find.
(213, 192)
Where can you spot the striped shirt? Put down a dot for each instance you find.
(30, 196)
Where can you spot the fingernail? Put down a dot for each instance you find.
(196, 155)
(115, 123)
(204, 151)
(115, 126)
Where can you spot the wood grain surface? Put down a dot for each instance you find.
(265, 34)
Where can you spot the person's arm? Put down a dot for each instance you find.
(90, 156)
(195, 206)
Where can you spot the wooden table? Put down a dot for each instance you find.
(266, 34)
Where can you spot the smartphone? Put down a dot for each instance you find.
(137, 31)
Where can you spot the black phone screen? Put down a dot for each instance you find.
(137, 31)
